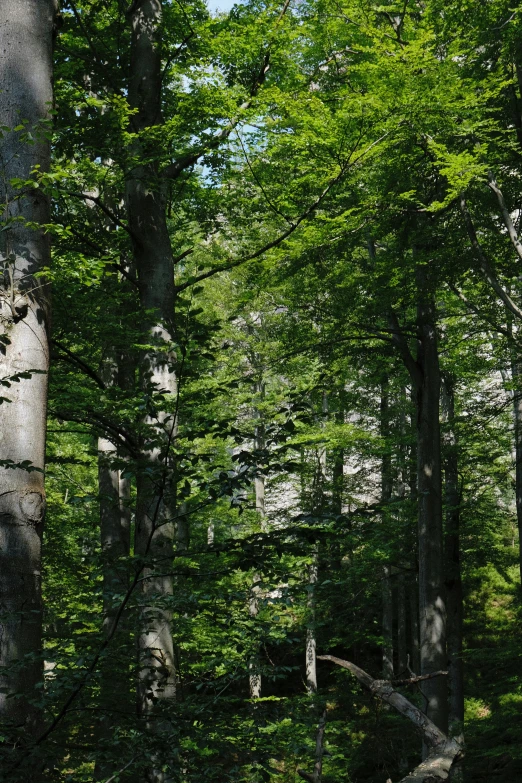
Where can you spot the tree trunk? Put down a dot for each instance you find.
(402, 639)
(414, 624)
(254, 677)
(432, 606)
(115, 546)
(156, 502)
(318, 504)
(386, 493)
(25, 98)
(453, 571)
(425, 375)
(516, 372)
(311, 642)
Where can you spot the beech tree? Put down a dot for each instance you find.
(25, 109)
(284, 409)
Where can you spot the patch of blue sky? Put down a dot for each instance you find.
(220, 6)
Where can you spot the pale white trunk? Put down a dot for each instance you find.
(254, 676)
(25, 95)
(313, 570)
(311, 642)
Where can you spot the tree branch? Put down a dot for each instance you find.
(419, 678)
(484, 263)
(517, 244)
(402, 346)
(177, 167)
(463, 298)
(269, 245)
(75, 360)
(444, 753)
(99, 203)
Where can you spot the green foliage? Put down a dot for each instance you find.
(337, 174)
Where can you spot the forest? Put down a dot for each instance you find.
(260, 391)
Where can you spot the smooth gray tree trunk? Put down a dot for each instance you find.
(156, 501)
(26, 30)
(319, 502)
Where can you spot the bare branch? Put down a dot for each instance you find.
(484, 263)
(445, 752)
(517, 244)
(419, 678)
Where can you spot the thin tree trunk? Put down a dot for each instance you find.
(319, 500)
(311, 642)
(156, 502)
(115, 547)
(414, 625)
(402, 638)
(25, 95)
(386, 493)
(254, 676)
(453, 570)
(402, 608)
(516, 372)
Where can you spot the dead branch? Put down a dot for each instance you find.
(419, 678)
(444, 751)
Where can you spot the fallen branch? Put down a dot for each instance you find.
(444, 751)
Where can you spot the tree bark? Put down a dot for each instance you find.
(425, 375)
(386, 493)
(156, 502)
(432, 606)
(414, 623)
(311, 641)
(402, 639)
(516, 374)
(453, 570)
(25, 99)
(115, 531)
(254, 676)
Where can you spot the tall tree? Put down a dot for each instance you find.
(153, 257)
(26, 36)
(425, 376)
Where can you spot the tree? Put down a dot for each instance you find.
(25, 109)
